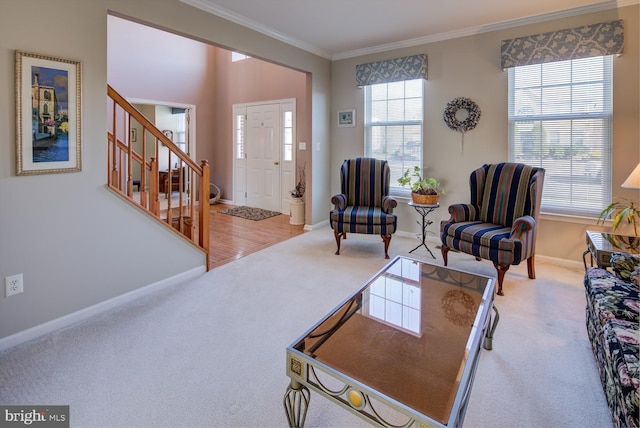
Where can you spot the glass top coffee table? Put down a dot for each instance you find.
(400, 351)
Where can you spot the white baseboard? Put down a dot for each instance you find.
(569, 264)
(317, 226)
(88, 312)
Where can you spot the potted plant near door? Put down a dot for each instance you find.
(298, 191)
(425, 191)
(297, 198)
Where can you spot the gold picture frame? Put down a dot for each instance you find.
(48, 114)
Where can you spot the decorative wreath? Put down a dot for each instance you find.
(459, 307)
(469, 122)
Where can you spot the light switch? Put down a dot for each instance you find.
(302, 146)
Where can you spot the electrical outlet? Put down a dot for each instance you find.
(13, 285)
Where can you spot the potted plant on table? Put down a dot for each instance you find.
(425, 191)
(625, 210)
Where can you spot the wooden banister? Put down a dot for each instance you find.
(192, 179)
(149, 126)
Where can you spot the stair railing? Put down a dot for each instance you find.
(177, 196)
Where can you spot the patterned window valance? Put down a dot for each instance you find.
(606, 38)
(392, 70)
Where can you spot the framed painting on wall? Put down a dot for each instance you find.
(347, 118)
(48, 106)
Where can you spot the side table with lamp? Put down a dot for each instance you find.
(602, 244)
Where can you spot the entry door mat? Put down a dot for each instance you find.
(250, 213)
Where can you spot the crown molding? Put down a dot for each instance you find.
(485, 28)
(256, 26)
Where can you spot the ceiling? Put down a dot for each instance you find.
(337, 29)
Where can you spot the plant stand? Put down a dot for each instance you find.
(424, 210)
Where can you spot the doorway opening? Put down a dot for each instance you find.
(204, 74)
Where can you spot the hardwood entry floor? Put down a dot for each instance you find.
(231, 238)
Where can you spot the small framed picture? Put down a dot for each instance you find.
(48, 107)
(347, 117)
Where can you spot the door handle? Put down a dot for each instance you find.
(276, 163)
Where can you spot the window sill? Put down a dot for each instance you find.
(590, 221)
(402, 199)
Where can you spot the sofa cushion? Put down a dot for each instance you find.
(371, 220)
(624, 264)
(635, 276)
(621, 346)
(363, 215)
(612, 314)
(610, 297)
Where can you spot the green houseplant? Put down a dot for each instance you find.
(625, 210)
(424, 190)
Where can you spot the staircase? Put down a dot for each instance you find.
(177, 197)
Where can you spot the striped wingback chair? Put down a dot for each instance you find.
(364, 206)
(500, 223)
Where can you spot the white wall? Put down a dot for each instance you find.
(470, 67)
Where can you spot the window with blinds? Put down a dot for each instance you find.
(560, 118)
(393, 126)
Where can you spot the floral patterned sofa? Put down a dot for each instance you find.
(612, 325)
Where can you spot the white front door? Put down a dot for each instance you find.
(263, 156)
(264, 169)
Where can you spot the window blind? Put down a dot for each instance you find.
(393, 123)
(560, 119)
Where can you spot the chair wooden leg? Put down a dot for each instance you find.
(531, 267)
(444, 251)
(387, 240)
(502, 269)
(338, 235)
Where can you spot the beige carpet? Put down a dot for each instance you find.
(211, 352)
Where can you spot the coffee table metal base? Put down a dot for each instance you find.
(307, 371)
(296, 403)
(297, 397)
